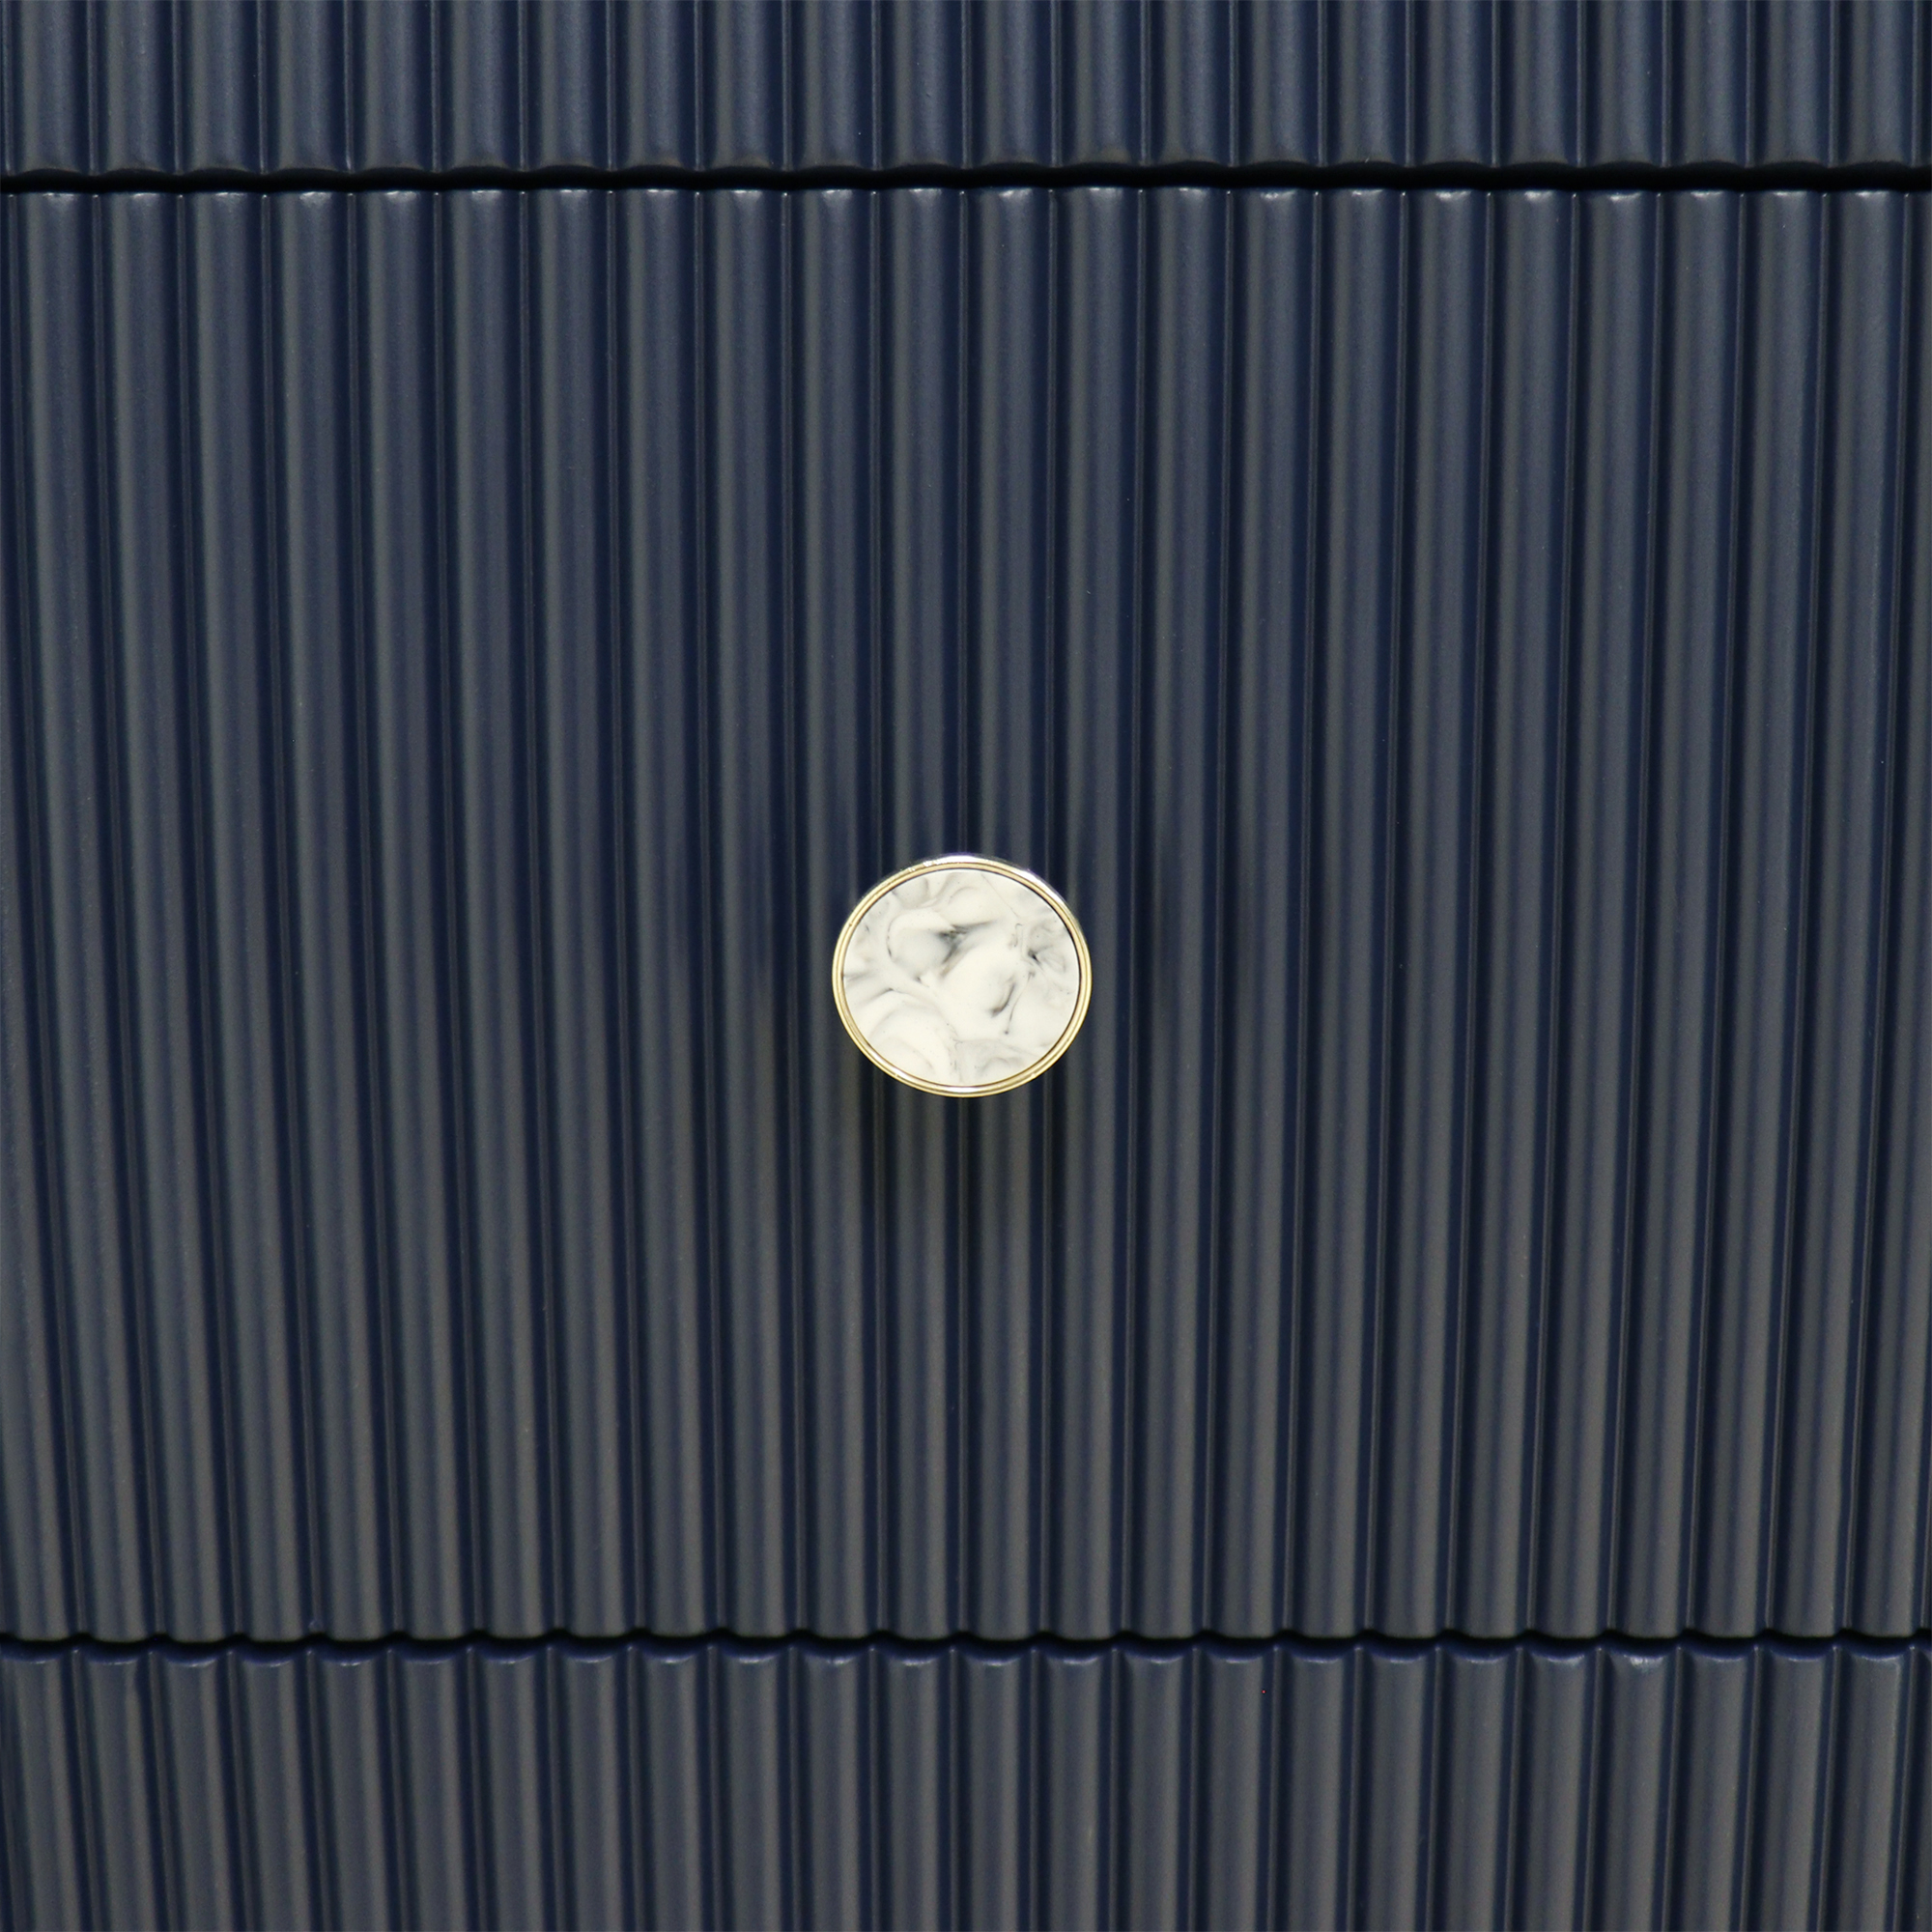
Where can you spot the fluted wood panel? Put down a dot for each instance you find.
(247, 87)
(1467, 660)
(1282, 1784)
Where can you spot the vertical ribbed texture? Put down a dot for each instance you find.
(1600, 805)
(1526, 465)
(1357, 266)
(917, 691)
(1432, 817)
(234, 543)
(656, 329)
(751, 879)
(1896, 1338)
(249, 86)
(1770, 685)
(1100, 247)
(1005, 714)
(1464, 657)
(564, 1783)
(1178, 874)
(1264, 751)
(486, 453)
(1851, 738)
(834, 610)
(330, 899)
(1686, 714)
(411, 956)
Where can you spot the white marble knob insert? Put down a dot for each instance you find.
(963, 976)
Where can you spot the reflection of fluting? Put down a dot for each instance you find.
(961, 977)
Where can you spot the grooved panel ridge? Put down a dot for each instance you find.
(634, 1784)
(1466, 659)
(244, 87)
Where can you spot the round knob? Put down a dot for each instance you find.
(963, 976)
